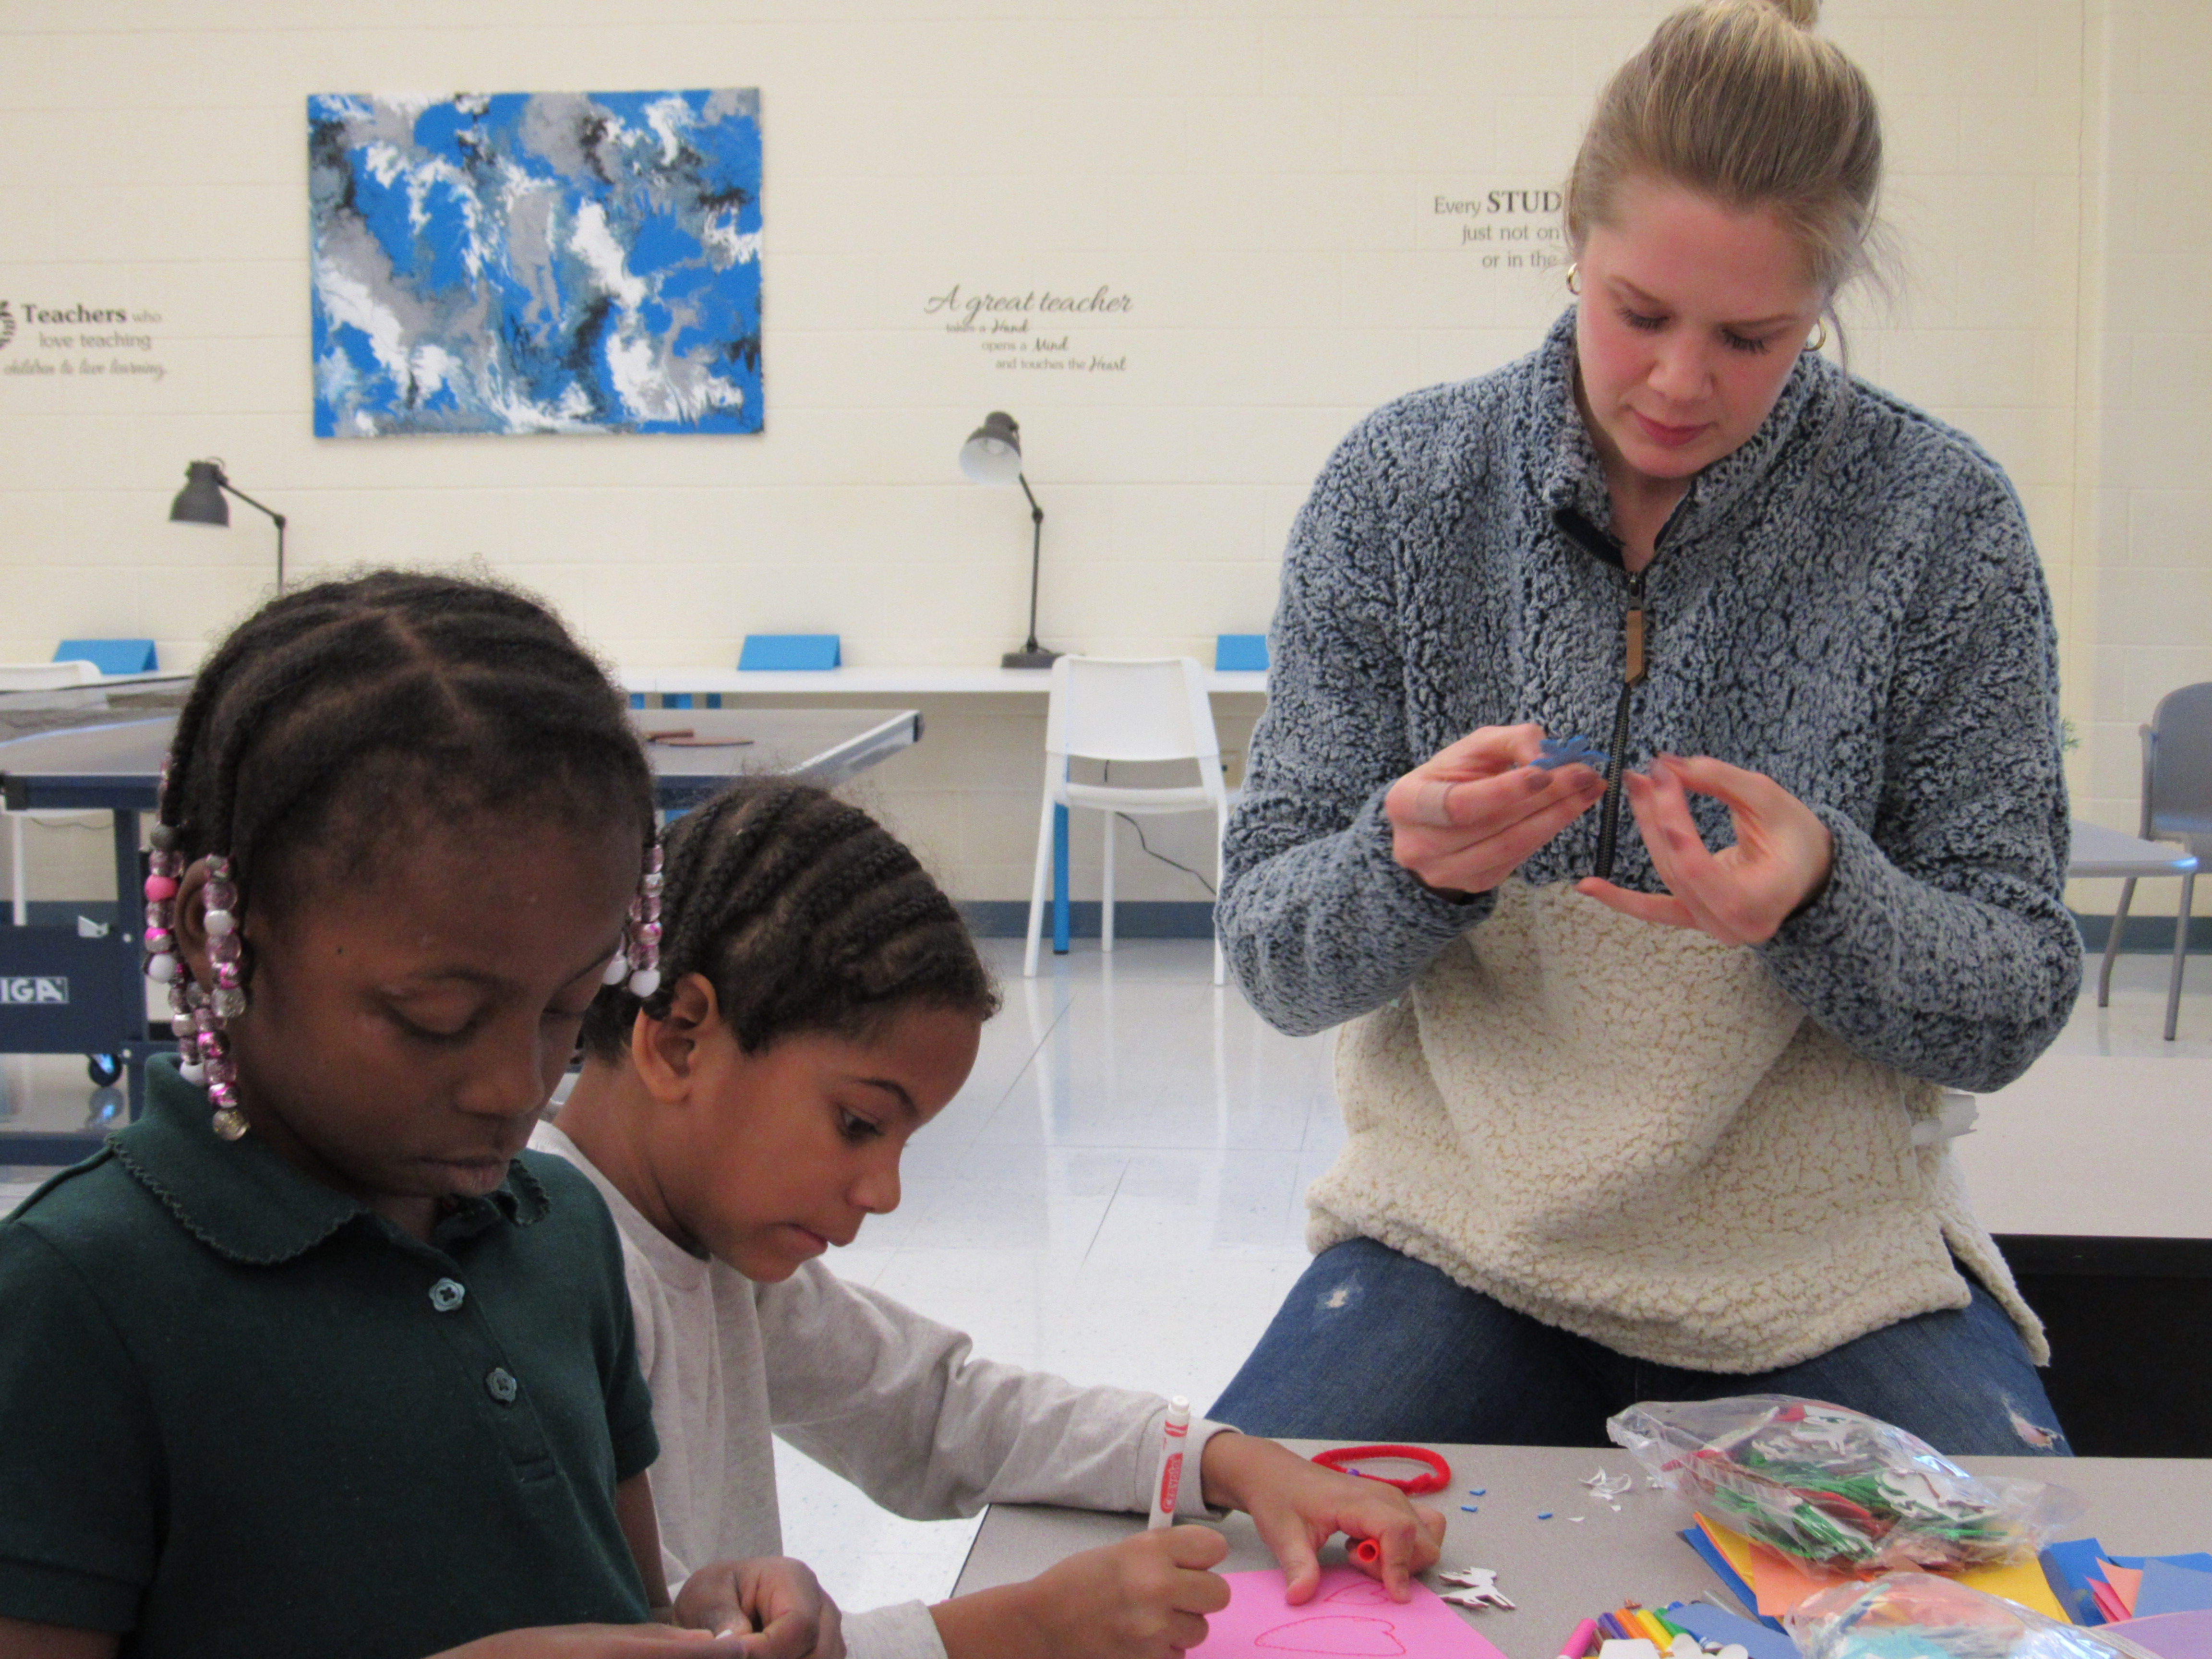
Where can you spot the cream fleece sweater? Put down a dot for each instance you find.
(1631, 1132)
(868, 1389)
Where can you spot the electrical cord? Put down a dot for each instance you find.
(1107, 776)
(1162, 857)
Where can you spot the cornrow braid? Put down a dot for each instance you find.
(805, 914)
(336, 706)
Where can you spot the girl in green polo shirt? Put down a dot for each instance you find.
(819, 1001)
(313, 1358)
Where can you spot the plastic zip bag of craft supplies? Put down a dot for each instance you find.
(1916, 1615)
(1831, 1486)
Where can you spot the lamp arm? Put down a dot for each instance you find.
(276, 517)
(230, 489)
(1037, 557)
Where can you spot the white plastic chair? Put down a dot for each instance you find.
(34, 676)
(1134, 709)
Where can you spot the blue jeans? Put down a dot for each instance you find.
(1371, 1345)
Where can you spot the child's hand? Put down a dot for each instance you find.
(1143, 1598)
(772, 1603)
(1298, 1506)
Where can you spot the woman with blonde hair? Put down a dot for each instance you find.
(1645, 1103)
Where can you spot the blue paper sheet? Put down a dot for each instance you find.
(2169, 1586)
(1711, 1623)
(2068, 1566)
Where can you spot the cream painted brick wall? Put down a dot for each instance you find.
(2146, 478)
(1254, 172)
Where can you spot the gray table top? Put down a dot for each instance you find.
(1568, 1569)
(93, 748)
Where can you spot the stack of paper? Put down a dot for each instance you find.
(1771, 1583)
(2105, 1589)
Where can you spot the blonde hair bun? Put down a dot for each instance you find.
(1738, 100)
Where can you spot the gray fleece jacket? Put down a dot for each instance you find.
(1850, 604)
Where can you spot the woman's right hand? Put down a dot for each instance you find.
(1468, 816)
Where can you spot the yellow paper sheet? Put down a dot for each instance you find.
(1781, 1582)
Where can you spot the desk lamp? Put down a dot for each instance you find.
(200, 501)
(993, 455)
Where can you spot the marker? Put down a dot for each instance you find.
(1173, 1433)
(1368, 1551)
(1580, 1642)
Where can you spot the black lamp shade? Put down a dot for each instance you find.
(993, 454)
(200, 501)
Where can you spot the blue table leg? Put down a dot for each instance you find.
(1059, 881)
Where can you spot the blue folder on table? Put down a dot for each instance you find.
(110, 656)
(771, 651)
(1242, 651)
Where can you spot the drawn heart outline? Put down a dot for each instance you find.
(1340, 1633)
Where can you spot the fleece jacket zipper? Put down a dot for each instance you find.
(1635, 654)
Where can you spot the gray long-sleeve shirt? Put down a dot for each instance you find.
(1850, 604)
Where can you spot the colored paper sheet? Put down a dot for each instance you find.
(1710, 1553)
(1711, 1623)
(2172, 1635)
(2169, 1586)
(1350, 1617)
(1780, 1582)
(2125, 1582)
(2022, 1581)
(2197, 1560)
(2068, 1565)
(2108, 1601)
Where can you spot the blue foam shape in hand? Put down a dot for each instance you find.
(1554, 752)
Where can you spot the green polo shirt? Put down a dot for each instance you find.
(240, 1414)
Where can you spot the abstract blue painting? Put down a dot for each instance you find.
(536, 262)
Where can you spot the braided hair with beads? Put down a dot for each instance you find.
(805, 914)
(336, 714)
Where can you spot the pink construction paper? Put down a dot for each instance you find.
(1350, 1617)
(2126, 1583)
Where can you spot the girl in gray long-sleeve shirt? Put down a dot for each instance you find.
(1592, 1155)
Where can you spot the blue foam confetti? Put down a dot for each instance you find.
(1468, 1509)
(1543, 1514)
(1477, 1491)
(1554, 752)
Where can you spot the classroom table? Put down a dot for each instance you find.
(1562, 1571)
(77, 987)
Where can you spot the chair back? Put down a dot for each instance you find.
(1130, 709)
(2178, 764)
(46, 676)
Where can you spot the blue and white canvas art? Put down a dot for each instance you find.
(536, 262)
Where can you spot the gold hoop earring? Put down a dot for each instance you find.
(1574, 278)
(1819, 340)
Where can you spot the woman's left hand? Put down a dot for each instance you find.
(1741, 894)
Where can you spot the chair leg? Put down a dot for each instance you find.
(1036, 888)
(1106, 887)
(2113, 944)
(2180, 953)
(19, 900)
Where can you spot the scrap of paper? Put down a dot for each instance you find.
(2125, 1582)
(1350, 1617)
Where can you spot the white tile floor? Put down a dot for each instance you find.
(1115, 1195)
